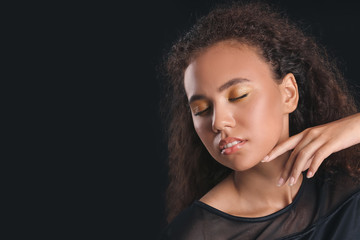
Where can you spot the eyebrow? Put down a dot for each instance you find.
(232, 82)
(226, 85)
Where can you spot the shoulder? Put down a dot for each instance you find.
(187, 225)
(339, 182)
(342, 222)
(334, 189)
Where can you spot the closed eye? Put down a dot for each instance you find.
(201, 112)
(237, 98)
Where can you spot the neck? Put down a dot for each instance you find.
(258, 186)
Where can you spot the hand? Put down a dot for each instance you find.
(315, 144)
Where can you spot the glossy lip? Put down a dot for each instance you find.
(233, 149)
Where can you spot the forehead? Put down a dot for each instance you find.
(223, 62)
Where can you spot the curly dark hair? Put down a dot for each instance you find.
(323, 94)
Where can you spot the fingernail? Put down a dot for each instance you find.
(281, 182)
(292, 181)
(265, 159)
(309, 174)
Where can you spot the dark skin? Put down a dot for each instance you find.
(251, 115)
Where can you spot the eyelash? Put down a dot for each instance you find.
(230, 99)
(234, 99)
(199, 113)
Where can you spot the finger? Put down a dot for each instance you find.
(285, 173)
(320, 155)
(298, 168)
(308, 163)
(283, 147)
(303, 156)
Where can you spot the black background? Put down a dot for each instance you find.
(120, 169)
(335, 24)
(87, 144)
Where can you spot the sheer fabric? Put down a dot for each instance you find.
(322, 209)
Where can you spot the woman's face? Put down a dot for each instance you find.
(237, 107)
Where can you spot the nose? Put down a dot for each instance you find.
(222, 118)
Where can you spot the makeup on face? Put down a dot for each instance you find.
(236, 105)
(231, 145)
(200, 105)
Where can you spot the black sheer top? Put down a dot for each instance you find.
(324, 208)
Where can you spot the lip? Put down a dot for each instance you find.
(234, 148)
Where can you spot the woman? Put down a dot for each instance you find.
(263, 135)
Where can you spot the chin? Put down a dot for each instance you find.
(240, 166)
(237, 163)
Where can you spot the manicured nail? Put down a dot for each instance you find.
(281, 182)
(309, 174)
(292, 181)
(265, 159)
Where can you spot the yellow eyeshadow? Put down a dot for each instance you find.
(199, 106)
(237, 92)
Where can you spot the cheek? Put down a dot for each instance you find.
(201, 128)
(265, 119)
